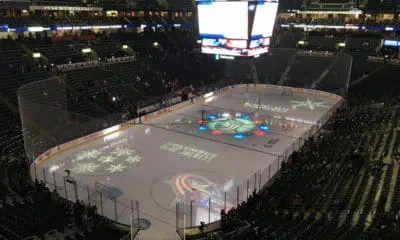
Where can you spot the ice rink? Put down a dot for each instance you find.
(206, 150)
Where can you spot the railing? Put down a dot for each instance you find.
(89, 64)
(119, 211)
(384, 60)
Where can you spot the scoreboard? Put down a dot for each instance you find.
(236, 28)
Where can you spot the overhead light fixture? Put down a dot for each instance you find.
(36, 55)
(208, 94)
(36, 29)
(226, 115)
(86, 50)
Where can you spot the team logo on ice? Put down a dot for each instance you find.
(198, 190)
(308, 104)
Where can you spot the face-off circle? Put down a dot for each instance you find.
(239, 126)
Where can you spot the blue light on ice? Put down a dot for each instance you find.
(203, 128)
(239, 136)
(212, 117)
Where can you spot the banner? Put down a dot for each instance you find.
(65, 8)
(73, 38)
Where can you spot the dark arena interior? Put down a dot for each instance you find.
(199, 120)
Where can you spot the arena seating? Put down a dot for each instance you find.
(383, 5)
(30, 210)
(11, 56)
(135, 76)
(379, 87)
(92, 87)
(290, 4)
(328, 189)
(343, 183)
(364, 44)
(306, 69)
(180, 5)
(270, 68)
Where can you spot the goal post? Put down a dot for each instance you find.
(104, 190)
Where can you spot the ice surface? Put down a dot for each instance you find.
(169, 159)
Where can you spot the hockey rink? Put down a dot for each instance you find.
(198, 155)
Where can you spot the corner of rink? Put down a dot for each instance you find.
(205, 154)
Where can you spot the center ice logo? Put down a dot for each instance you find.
(238, 125)
(232, 125)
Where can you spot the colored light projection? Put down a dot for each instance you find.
(239, 126)
(199, 190)
(116, 156)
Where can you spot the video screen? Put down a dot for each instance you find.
(223, 19)
(391, 43)
(264, 19)
(224, 27)
(223, 46)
